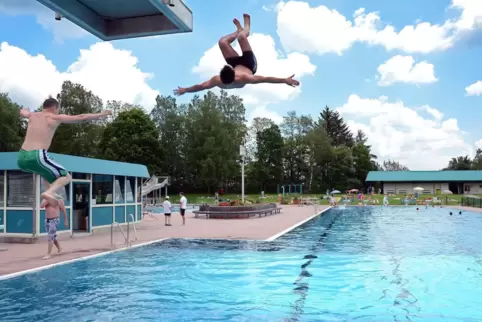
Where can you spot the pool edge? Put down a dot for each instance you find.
(74, 260)
(278, 235)
(78, 259)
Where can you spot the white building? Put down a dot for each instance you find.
(432, 182)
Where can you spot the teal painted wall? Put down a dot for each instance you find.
(139, 212)
(1, 220)
(19, 221)
(61, 225)
(131, 210)
(101, 216)
(120, 214)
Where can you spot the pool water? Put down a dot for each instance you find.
(355, 264)
(160, 210)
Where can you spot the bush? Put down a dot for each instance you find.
(285, 201)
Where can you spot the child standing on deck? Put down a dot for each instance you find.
(52, 221)
(33, 155)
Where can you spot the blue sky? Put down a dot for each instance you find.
(399, 126)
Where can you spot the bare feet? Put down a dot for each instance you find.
(59, 251)
(247, 22)
(50, 199)
(48, 256)
(238, 25)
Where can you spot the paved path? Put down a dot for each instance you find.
(20, 257)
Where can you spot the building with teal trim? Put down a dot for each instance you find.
(101, 192)
(432, 182)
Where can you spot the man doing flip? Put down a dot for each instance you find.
(240, 70)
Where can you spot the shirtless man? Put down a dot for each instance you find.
(33, 155)
(52, 221)
(239, 70)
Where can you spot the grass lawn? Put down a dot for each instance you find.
(393, 200)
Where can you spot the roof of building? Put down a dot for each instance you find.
(425, 176)
(8, 161)
(121, 19)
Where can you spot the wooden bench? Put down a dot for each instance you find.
(227, 212)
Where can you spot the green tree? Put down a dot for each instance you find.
(12, 127)
(132, 137)
(335, 127)
(269, 158)
(460, 163)
(78, 139)
(392, 165)
(363, 159)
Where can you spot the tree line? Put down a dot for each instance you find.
(197, 143)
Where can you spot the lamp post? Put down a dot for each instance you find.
(242, 153)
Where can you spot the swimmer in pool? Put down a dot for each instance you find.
(240, 70)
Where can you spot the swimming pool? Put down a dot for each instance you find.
(360, 263)
(158, 209)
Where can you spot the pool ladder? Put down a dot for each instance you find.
(127, 241)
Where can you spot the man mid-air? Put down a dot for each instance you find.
(239, 70)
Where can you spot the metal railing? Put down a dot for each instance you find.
(127, 241)
(472, 201)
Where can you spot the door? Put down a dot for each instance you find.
(80, 207)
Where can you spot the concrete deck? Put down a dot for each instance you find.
(19, 257)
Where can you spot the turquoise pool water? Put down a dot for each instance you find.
(357, 264)
(160, 209)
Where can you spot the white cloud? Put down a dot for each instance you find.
(402, 69)
(270, 63)
(478, 144)
(320, 30)
(474, 89)
(63, 29)
(108, 72)
(264, 112)
(398, 132)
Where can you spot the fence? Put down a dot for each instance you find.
(471, 202)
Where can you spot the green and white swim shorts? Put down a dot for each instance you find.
(38, 162)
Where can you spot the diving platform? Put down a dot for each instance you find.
(122, 19)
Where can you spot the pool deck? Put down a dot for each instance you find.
(20, 257)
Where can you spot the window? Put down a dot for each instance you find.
(130, 189)
(467, 188)
(102, 189)
(139, 190)
(2, 187)
(20, 189)
(80, 176)
(119, 189)
(64, 193)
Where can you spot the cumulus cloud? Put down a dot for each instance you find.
(62, 30)
(403, 69)
(270, 63)
(110, 73)
(310, 29)
(474, 89)
(399, 132)
(264, 112)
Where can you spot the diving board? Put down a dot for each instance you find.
(122, 19)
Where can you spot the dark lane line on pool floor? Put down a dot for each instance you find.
(405, 296)
(302, 288)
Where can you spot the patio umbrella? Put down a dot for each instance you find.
(418, 188)
(353, 190)
(336, 191)
(447, 192)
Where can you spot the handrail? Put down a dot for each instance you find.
(127, 240)
(112, 234)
